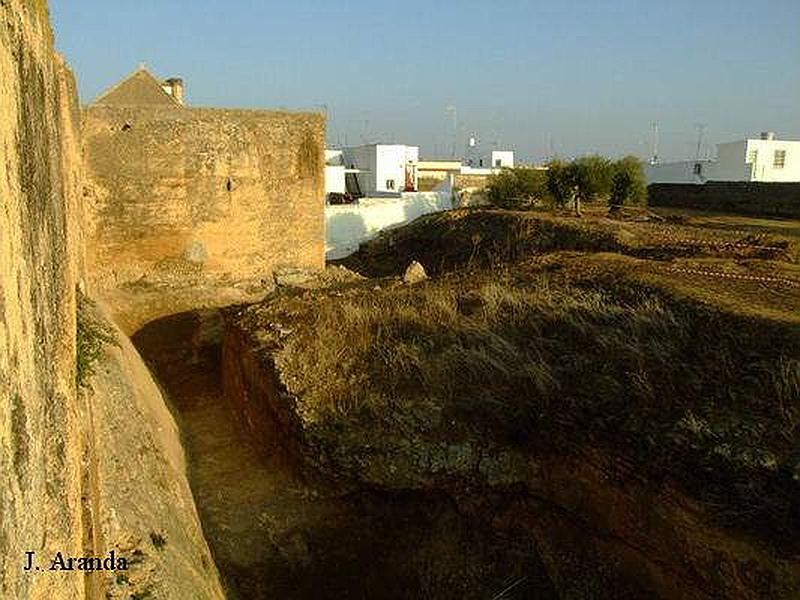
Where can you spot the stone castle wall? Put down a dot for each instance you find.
(40, 451)
(196, 207)
(64, 468)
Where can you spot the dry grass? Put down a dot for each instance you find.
(568, 335)
(684, 391)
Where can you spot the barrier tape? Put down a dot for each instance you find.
(698, 242)
(791, 282)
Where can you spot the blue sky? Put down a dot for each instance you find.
(579, 76)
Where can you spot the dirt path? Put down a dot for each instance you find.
(235, 489)
(250, 508)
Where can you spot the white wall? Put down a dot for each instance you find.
(679, 172)
(764, 167)
(731, 162)
(391, 166)
(334, 179)
(735, 161)
(347, 225)
(506, 158)
(382, 163)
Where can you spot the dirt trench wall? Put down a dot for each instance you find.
(40, 453)
(196, 207)
(252, 386)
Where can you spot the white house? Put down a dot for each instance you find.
(766, 159)
(383, 169)
(501, 159)
(478, 158)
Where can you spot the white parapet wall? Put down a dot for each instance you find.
(349, 225)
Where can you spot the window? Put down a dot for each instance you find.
(752, 156)
(698, 168)
(498, 162)
(390, 184)
(780, 159)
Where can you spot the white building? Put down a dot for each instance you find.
(766, 159)
(383, 169)
(478, 157)
(334, 172)
(501, 159)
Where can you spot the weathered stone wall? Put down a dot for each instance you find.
(742, 197)
(470, 181)
(80, 474)
(40, 450)
(193, 207)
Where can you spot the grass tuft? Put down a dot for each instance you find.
(91, 337)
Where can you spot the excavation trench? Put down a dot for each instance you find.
(275, 533)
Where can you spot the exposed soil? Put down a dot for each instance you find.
(274, 535)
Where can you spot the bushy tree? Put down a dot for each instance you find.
(560, 181)
(628, 183)
(516, 188)
(592, 175)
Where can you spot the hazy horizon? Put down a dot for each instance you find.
(574, 78)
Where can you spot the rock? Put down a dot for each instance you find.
(415, 273)
(293, 277)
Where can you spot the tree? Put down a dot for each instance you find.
(516, 188)
(592, 176)
(560, 181)
(628, 184)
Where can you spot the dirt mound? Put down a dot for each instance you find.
(591, 388)
(482, 237)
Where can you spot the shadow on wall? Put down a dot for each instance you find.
(345, 230)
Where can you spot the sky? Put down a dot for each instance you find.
(564, 77)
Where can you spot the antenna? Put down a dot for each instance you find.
(453, 112)
(654, 157)
(701, 128)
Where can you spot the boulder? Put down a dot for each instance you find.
(415, 273)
